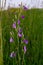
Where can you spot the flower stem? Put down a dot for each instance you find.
(18, 49)
(24, 60)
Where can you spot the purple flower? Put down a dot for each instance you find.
(14, 25)
(19, 5)
(22, 16)
(25, 49)
(25, 8)
(11, 40)
(18, 21)
(12, 54)
(20, 30)
(25, 41)
(19, 35)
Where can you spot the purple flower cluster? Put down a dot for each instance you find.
(19, 33)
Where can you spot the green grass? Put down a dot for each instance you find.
(1, 53)
(33, 30)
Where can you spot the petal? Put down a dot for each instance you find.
(20, 35)
(25, 49)
(11, 39)
(18, 21)
(14, 25)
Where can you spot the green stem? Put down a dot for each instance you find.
(24, 60)
(17, 35)
(18, 38)
(13, 61)
(18, 50)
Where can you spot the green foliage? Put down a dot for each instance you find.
(32, 27)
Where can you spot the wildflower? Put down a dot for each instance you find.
(19, 35)
(18, 21)
(20, 30)
(25, 49)
(25, 8)
(11, 39)
(25, 41)
(22, 16)
(12, 54)
(14, 25)
(19, 5)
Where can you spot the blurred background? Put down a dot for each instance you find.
(15, 3)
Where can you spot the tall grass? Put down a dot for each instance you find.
(32, 27)
(1, 46)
